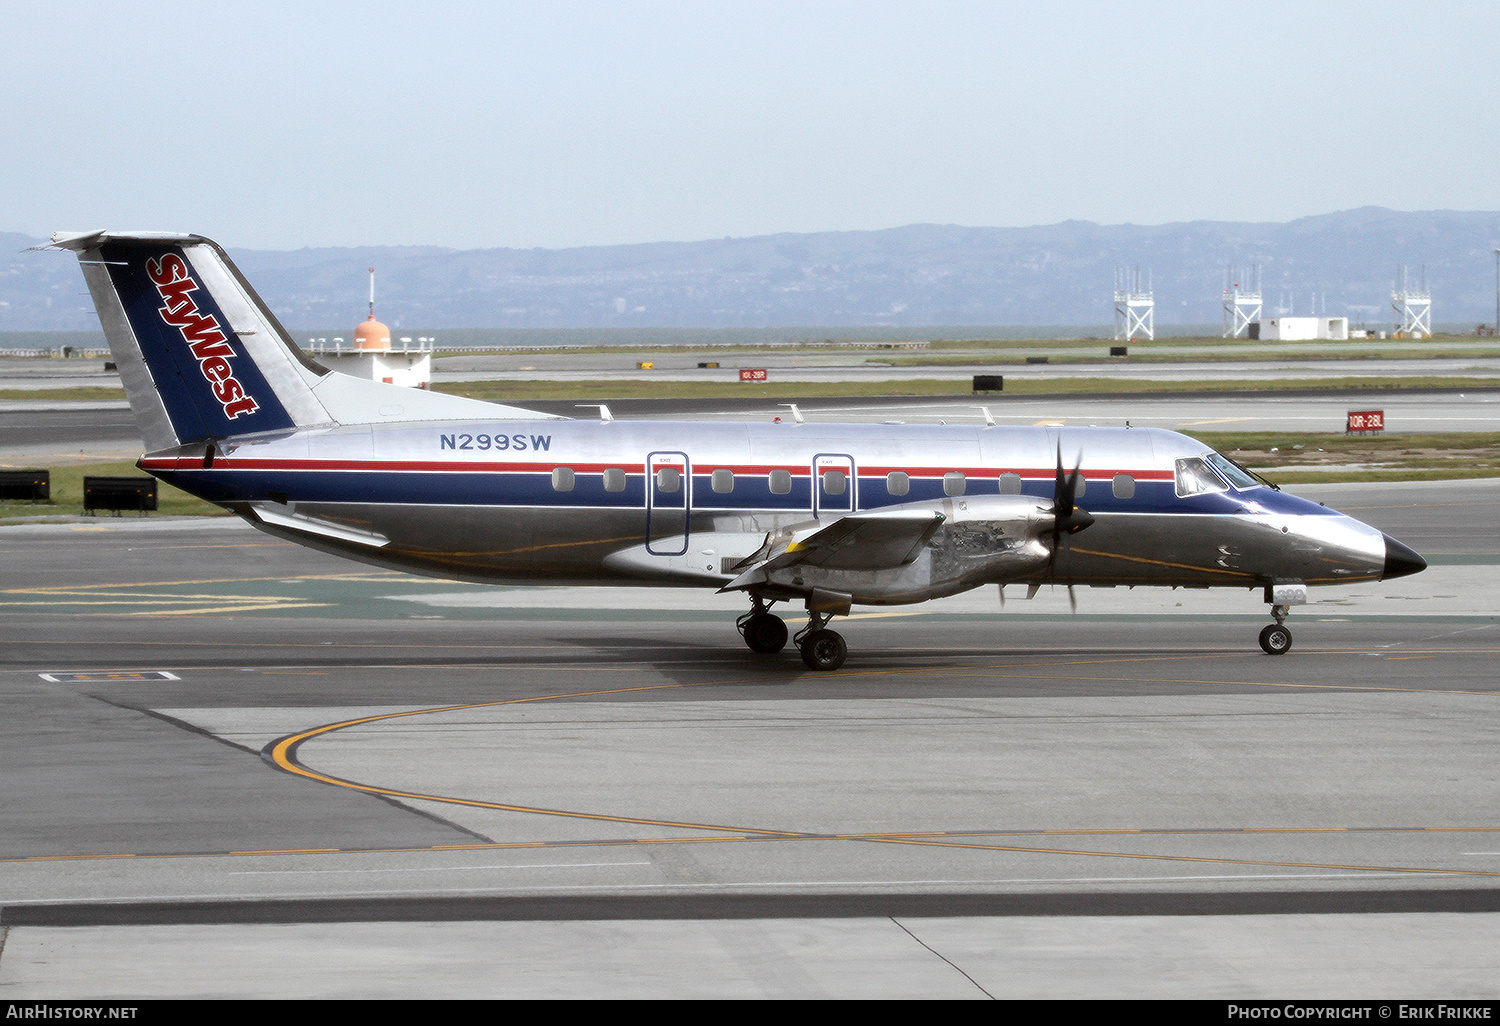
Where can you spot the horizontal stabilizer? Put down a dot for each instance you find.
(320, 528)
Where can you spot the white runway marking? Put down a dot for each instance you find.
(438, 869)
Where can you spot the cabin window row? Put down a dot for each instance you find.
(834, 482)
(564, 479)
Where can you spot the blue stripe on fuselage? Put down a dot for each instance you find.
(751, 492)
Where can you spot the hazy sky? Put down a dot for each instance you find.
(280, 125)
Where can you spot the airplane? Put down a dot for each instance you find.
(828, 515)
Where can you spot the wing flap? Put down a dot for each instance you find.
(863, 541)
(860, 541)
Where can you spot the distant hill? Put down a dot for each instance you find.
(918, 275)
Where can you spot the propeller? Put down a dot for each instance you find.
(1067, 518)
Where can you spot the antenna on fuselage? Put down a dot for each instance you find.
(796, 413)
(605, 416)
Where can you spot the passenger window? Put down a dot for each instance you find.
(834, 482)
(562, 479)
(954, 483)
(1194, 478)
(781, 482)
(1010, 483)
(1124, 486)
(614, 480)
(897, 483)
(723, 481)
(668, 479)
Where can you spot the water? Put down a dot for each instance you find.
(634, 337)
(460, 338)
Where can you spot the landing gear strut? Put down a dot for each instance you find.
(763, 631)
(1275, 639)
(821, 648)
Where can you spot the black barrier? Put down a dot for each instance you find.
(1119, 351)
(989, 382)
(1036, 359)
(117, 493)
(35, 485)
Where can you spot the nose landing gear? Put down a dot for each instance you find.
(1276, 639)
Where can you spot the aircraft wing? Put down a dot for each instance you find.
(860, 541)
(863, 541)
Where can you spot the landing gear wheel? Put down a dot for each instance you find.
(765, 633)
(1275, 639)
(824, 650)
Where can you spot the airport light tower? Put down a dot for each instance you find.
(1242, 306)
(1135, 307)
(1413, 308)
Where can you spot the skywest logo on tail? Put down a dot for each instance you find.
(202, 333)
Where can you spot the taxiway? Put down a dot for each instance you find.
(237, 767)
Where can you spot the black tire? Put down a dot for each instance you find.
(1275, 639)
(824, 650)
(765, 634)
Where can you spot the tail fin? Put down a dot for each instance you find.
(202, 358)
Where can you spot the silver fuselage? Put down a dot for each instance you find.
(570, 501)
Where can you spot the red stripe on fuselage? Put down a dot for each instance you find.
(699, 470)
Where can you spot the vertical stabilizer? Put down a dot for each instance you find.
(203, 359)
(200, 356)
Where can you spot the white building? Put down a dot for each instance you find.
(1287, 329)
(373, 357)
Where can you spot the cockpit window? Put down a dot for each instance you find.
(1194, 478)
(1231, 471)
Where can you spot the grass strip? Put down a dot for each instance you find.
(67, 494)
(636, 388)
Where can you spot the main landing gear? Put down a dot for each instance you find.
(1275, 639)
(763, 632)
(821, 648)
(766, 633)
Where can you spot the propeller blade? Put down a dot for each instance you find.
(1067, 518)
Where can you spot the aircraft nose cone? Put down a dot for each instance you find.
(1400, 560)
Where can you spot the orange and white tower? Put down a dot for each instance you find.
(375, 356)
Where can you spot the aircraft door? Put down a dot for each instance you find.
(667, 503)
(834, 484)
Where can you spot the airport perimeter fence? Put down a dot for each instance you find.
(61, 352)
